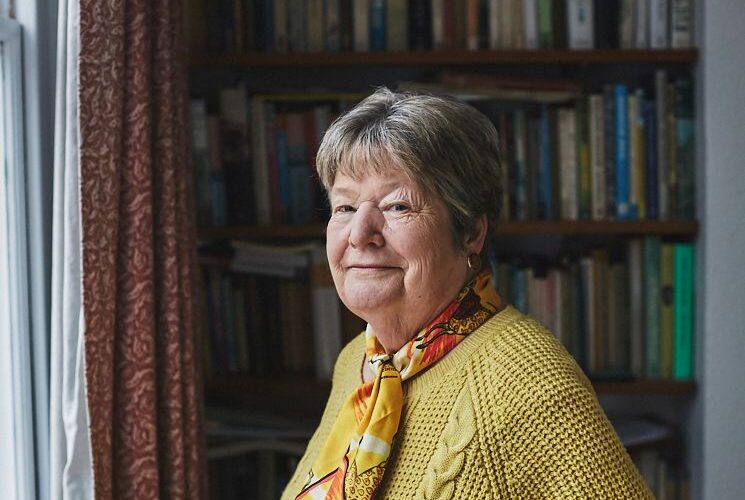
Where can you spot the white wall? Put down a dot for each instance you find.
(721, 411)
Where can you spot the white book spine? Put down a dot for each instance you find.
(580, 20)
(681, 24)
(658, 24)
(361, 21)
(597, 157)
(530, 24)
(568, 163)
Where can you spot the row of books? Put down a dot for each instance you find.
(273, 309)
(623, 313)
(254, 158)
(399, 25)
(623, 153)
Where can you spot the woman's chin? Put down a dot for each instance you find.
(364, 299)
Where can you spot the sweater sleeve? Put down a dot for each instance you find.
(554, 439)
(345, 379)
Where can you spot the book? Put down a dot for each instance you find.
(494, 23)
(597, 157)
(685, 151)
(396, 25)
(567, 165)
(438, 24)
(545, 30)
(580, 24)
(281, 26)
(530, 24)
(683, 256)
(626, 25)
(641, 24)
(605, 25)
(609, 128)
(420, 24)
(361, 26)
(584, 173)
(636, 302)
(544, 200)
(658, 24)
(623, 208)
(377, 25)
(637, 157)
(652, 246)
(315, 26)
(681, 24)
(666, 310)
(650, 160)
(472, 24)
(332, 28)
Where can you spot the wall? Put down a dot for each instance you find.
(720, 449)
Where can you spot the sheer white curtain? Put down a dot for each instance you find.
(70, 467)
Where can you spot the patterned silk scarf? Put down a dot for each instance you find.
(352, 461)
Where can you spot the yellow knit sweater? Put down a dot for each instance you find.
(506, 414)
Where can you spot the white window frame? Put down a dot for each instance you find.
(16, 392)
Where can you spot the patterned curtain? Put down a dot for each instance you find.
(138, 252)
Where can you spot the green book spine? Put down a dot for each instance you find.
(652, 306)
(683, 311)
(545, 18)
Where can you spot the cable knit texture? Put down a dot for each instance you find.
(506, 414)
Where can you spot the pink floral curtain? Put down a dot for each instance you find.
(144, 397)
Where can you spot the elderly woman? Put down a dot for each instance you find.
(450, 392)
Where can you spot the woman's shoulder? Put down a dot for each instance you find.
(349, 362)
(523, 354)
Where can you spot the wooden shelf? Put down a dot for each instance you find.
(445, 58)
(647, 387)
(687, 229)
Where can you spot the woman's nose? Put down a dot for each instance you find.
(367, 226)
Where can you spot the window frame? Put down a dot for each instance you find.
(17, 463)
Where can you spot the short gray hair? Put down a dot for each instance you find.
(446, 145)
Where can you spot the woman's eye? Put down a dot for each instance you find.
(344, 209)
(400, 207)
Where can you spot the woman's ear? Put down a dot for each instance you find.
(474, 242)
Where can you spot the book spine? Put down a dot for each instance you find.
(332, 33)
(685, 149)
(472, 24)
(636, 301)
(638, 165)
(650, 164)
(580, 24)
(377, 25)
(568, 163)
(633, 158)
(583, 159)
(315, 26)
(658, 24)
(545, 33)
(483, 24)
(521, 167)
(683, 308)
(200, 159)
(544, 201)
(297, 24)
(606, 29)
(626, 25)
(506, 26)
(662, 144)
(622, 151)
(641, 21)
(438, 24)
(448, 24)
(281, 35)
(597, 157)
(681, 24)
(666, 310)
(494, 24)
(530, 24)
(361, 18)
(609, 115)
(652, 306)
(420, 25)
(346, 25)
(396, 25)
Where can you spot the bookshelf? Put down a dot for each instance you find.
(286, 76)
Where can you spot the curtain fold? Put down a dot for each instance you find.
(138, 252)
(70, 473)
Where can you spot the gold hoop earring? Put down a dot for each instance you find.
(473, 262)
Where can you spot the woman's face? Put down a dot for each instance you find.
(390, 249)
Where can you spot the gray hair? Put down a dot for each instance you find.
(447, 146)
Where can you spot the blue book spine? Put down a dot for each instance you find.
(283, 172)
(622, 152)
(377, 25)
(545, 203)
(650, 153)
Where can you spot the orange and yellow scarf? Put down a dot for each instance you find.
(352, 461)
